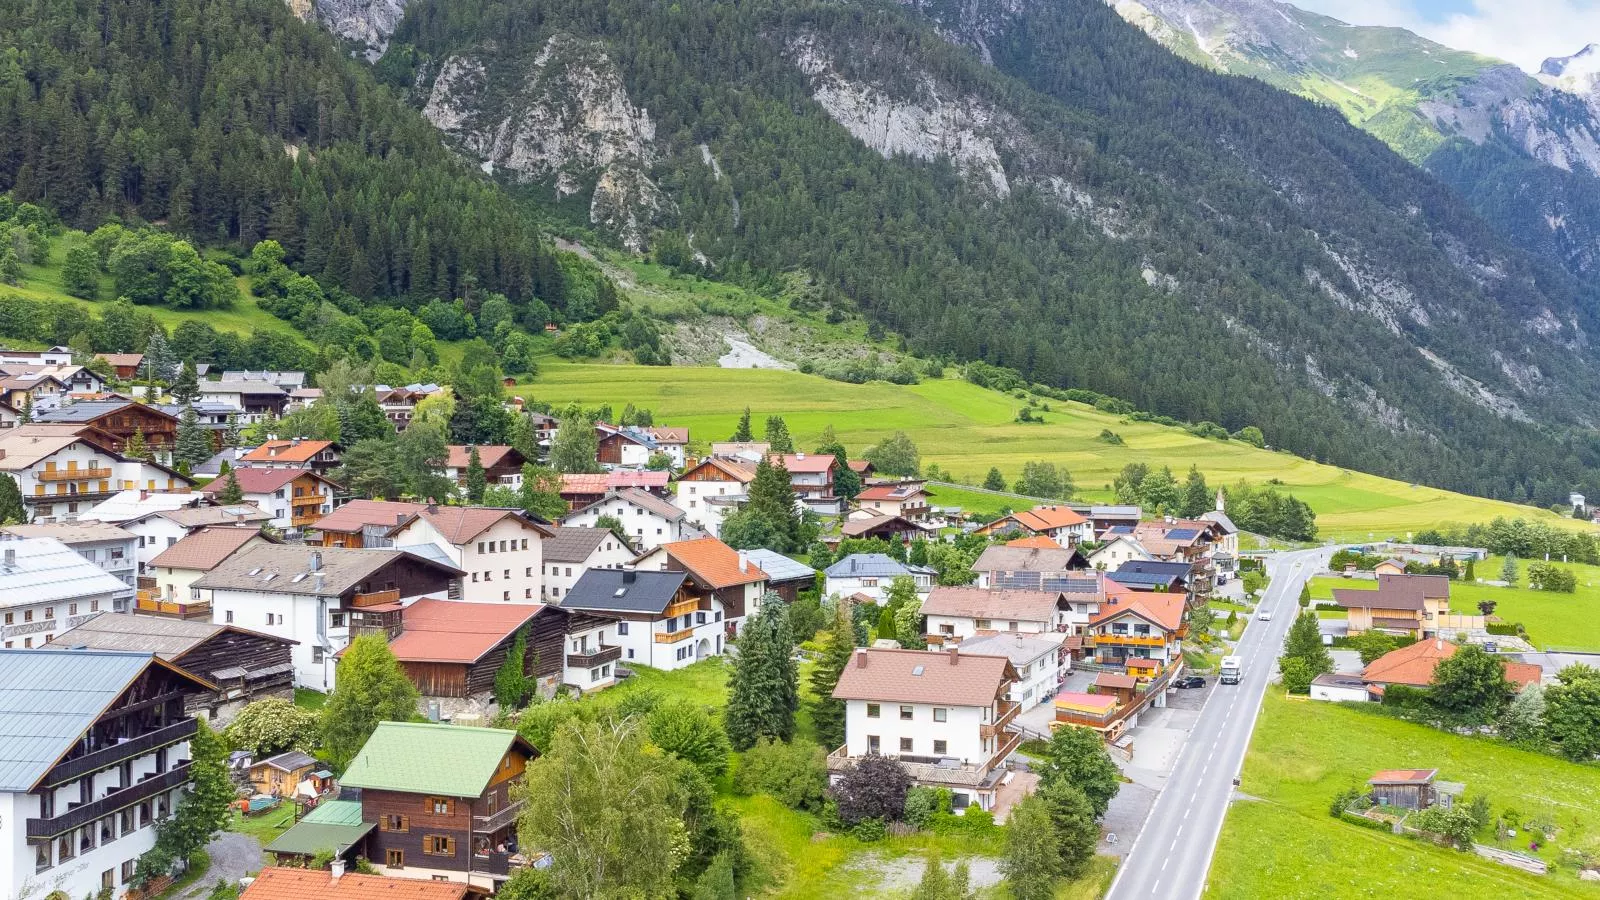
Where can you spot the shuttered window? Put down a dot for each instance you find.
(439, 845)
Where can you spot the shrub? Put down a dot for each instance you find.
(922, 803)
(869, 831)
(872, 788)
(1364, 822)
(796, 774)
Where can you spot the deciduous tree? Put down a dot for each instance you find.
(1077, 756)
(1032, 862)
(895, 455)
(370, 688)
(1572, 712)
(576, 446)
(271, 726)
(1470, 686)
(1305, 642)
(873, 787)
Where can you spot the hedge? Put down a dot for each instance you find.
(1365, 822)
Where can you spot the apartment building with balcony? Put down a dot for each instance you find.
(501, 550)
(666, 620)
(295, 498)
(728, 575)
(1041, 661)
(45, 589)
(440, 797)
(112, 550)
(309, 594)
(96, 753)
(944, 715)
(954, 614)
(1141, 632)
(64, 470)
(573, 550)
(168, 589)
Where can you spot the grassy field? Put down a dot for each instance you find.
(1285, 844)
(966, 430)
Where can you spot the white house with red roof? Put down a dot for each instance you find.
(501, 550)
(295, 498)
(1062, 524)
(811, 476)
(908, 499)
(712, 489)
(727, 574)
(647, 520)
(1139, 630)
(502, 465)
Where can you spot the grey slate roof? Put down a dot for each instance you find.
(999, 558)
(47, 702)
(779, 567)
(1154, 567)
(286, 569)
(643, 499)
(199, 516)
(82, 411)
(615, 590)
(1221, 518)
(1115, 512)
(45, 569)
(166, 638)
(573, 543)
(870, 565)
(83, 531)
(1020, 649)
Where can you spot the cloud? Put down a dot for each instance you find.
(1524, 32)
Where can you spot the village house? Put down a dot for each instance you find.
(121, 419)
(400, 403)
(1156, 575)
(1402, 604)
(307, 594)
(1141, 632)
(112, 550)
(811, 475)
(895, 529)
(321, 457)
(1028, 568)
(502, 465)
(35, 391)
(712, 489)
(286, 381)
(580, 489)
(441, 798)
(626, 447)
(1413, 666)
(62, 473)
(295, 498)
(907, 499)
(240, 664)
(647, 520)
(572, 550)
(667, 620)
(46, 588)
(673, 441)
(99, 755)
(159, 521)
(1042, 666)
(10, 416)
(501, 550)
(173, 572)
(126, 365)
(253, 401)
(734, 582)
(75, 380)
(867, 576)
(363, 524)
(1118, 550)
(1062, 524)
(335, 883)
(1105, 518)
(955, 614)
(785, 577)
(942, 714)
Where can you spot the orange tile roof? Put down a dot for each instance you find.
(1044, 518)
(454, 631)
(286, 451)
(1414, 665)
(1164, 609)
(1037, 541)
(1402, 776)
(713, 562)
(806, 462)
(299, 884)
(205, 549)
(356, 514)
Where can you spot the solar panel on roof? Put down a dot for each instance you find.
(1182, 534)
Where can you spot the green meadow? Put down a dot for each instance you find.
(966, 430)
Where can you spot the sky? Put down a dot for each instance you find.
(1524, 32)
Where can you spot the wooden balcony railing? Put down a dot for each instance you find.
(106, 757)
(672, 637)
(503, 818)
(376, 598)
(596, 658)
(1130, 640)
(79, 816)
(681, 608)
(94, 474)
(152, 604)
(1008, 714)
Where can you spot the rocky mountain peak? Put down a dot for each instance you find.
(1576, 73)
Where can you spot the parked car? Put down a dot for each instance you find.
(1190, 681)
(1264, 616)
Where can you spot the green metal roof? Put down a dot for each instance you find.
(424, 758)
(308, 838)
(335, 812)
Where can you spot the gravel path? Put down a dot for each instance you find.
(233, 856)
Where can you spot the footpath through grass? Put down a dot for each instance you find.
(966, 430)
(1285, 843)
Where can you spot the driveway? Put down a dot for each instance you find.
(233, 856)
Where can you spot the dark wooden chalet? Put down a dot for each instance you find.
(121, 419)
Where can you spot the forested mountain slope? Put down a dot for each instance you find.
(1039, 185)
(1524, 150)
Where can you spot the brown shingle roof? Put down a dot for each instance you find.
(1029, 606)
(924, 676)
(1396, 592)
(460, 524)
(197, 516)
(734, 470)
(666, 434)
(644, 500)
(286, 569)
(858, 527)
(713, 562)
(301, 884)
(1024, 559)
(450, 631)
(205, 549)
(574, 543)
(260, 481)
(357, 514)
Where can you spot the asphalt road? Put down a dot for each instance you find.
(1173, 851)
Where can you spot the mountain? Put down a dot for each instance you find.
(1524, 150)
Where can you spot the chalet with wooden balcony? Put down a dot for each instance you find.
(666, 620)
(64, 470)
(122, 419)
(308, 595)
(295, 498)
(944, 715)
(440, 796)
(1142, 632)
(452, 650)
(96, 752)
(321, 457)
(734, 582)
(244, 665)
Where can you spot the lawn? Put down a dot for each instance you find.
(265, 827)
(1304, 753)
(305, 698)
(966, 430)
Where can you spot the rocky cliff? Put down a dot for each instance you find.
(368, 22)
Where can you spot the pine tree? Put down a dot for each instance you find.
(477, 480)
(742, 433)
(137, 447)
(777, 435)
(886, 627)
(1471, 574)
(994, 481)
(1305, 643)
(230, 434)
(1196, 495)
(1074, 819)
(12, 510)
(25, 414)
(827, 714)
(769, 518)
(763, 689)
(1508, 571)
(231, 493)
(158, 361)
(186, 388)
(193, 445)
(512, 686)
